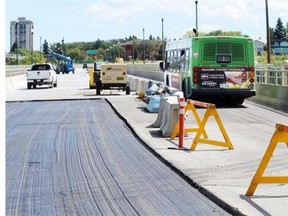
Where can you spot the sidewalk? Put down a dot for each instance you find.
(223, 175)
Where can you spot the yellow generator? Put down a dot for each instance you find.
(94, 74)
(112, 76)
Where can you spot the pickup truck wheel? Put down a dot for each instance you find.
(55, 84)
(29, 85)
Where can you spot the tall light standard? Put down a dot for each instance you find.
(196, 3)
(32, 31)
(40, 48)
(133, 50)
(163, 56)
(268, 33)
(143, 45)
(17, 41)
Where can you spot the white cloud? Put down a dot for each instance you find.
(122, 11)
(246, 16)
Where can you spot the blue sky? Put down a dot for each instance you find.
(88, 20)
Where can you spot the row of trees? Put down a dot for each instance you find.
(109, 50)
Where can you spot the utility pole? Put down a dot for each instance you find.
(32, 31)
(196, 3)
(143, 45)
(163, 55)
(40, 48)
(268, 33)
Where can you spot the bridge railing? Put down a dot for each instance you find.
(272, 76)
(14, 70)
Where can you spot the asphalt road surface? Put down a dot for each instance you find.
(76, 157)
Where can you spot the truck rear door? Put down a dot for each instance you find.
(39, 72)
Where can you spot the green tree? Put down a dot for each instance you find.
(75, 53)
(279, 32)
(101, 54)
(191, 34)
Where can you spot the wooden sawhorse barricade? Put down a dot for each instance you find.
(200, 130)
(280, 135)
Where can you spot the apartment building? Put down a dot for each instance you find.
(21, 33)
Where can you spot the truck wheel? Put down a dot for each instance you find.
(29, 85)
(34, 86)
(127, 90)
(55, 84)
(239, 101)
(98, 87)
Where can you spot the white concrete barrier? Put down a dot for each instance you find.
(168, 114)
(14, 82)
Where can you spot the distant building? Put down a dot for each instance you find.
(259, 47)
(279, 47)
(21, 33)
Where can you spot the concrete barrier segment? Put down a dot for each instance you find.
(154, 104)
(170, 115)
(133, 83)
(15, 82)
(160, 115)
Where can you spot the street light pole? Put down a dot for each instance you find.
(133, 50)
(32, 31)
(268, 33)
(17, 41)
(196, 3)
(143, 45)
(163, 56)
(40, 48)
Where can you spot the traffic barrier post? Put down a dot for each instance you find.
(181, 122)
(189, 107)
(280, 136)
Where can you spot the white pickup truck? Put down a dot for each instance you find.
(41, 74)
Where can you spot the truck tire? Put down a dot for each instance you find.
(29, 85)
(127, 90)
(34, 86)
(98, 87)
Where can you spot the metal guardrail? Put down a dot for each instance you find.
(15, 72)
(272, 76)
